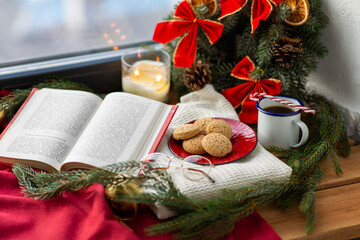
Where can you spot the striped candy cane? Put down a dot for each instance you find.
(256, 96)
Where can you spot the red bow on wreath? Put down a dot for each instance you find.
(240, 95)
(185, 51)
(260, 9)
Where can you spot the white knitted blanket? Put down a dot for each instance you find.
(258, 165)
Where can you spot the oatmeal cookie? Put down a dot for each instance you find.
(186, 131)
(202, 123)
(194, 145)
(217, 144)
(220, 126)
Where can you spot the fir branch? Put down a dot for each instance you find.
(334, 160)
(182, 222)
(282, 153)
(246, 44)
(264, 50)
(61, 83)
(284, 11)
(48, 185)
(177, 81)
(315, 5)
(231, 23)
(344, 147)
(275, 32)
(224, 68)
(290, 198)
(309, 195)
(12, 102)
(199, 224)
(232, 206)
(317, 155)
(49, 189)
(124, 167)
(310, 218)
(222, 74)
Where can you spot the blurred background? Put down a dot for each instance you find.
(33, 29)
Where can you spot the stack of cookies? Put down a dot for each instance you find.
(205, 135)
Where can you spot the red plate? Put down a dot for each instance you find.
(243, 142)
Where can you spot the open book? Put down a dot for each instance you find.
(59, 130)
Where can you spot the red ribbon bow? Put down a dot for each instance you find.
(260, 9)
(185, 51)
(240, 95)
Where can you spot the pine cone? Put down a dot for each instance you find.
(197, 76)
(286, 50)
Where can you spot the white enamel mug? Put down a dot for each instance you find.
(280, 129)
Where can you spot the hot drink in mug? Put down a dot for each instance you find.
(280, 125)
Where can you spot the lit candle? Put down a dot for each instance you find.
(148, 78)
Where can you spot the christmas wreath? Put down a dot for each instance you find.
(207, 40)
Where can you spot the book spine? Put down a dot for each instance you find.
(163, 128)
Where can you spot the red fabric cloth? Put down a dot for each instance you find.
(86, 215)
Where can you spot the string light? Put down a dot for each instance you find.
(115, 31)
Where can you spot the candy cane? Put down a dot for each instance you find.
(256, 96)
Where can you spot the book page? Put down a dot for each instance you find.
(117, 131)
(49, 125)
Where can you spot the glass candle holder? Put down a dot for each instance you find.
(146, 72)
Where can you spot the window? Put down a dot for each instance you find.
(34, 31)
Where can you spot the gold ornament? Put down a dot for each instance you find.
(204, 7)
(124, 211)
(2, 116)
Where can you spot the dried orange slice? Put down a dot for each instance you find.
(300, 12)
(205, 7)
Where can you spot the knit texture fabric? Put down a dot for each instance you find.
(257, 166)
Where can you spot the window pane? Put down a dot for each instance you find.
(32, 29)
